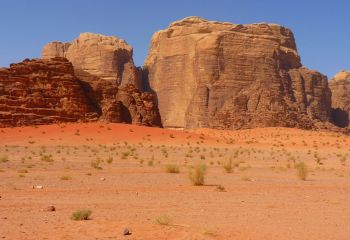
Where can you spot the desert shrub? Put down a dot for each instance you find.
(150, 163)
(301, 170)
(163, 220)
(82, 214)
(245, 178)
(96, 164)
(172, 168)
(4, 159)
(197, 174)
(124, 155)
(66, 178)
(109, 160)
(47, 158)
(220, 188)
(228, 165)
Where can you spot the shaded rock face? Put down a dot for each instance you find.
(340, 87)
(42, 92)
(105, 66)
(228, 76)
(139, 107)
(45, 91)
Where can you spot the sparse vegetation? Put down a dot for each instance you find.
(172, 168)
(245, 178)
(302, 171)
(220, 188)
(96, 164)
(109, 160)
(66, 177)
(163, 220)
(4, 159)
(47, 158)
(150, 163)
(228, 165)
(83, 214)
(197, 174)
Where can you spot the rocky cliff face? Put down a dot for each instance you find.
(340, 87)
(95, 56)
(45, 91)
(105, 66)
(223, 75)
(42, 92)
(137, 107)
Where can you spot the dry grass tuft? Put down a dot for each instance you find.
(197, 174)
(228, 165)
(163, 220)
(172, 168)
(82, 214)
(302, 171)
(66, 178)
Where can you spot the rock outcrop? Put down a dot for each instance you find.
(140, 107)
(340, 87)
(229, 76)
(42, 92)
(95, 56)
(45, 91)
(103, 63)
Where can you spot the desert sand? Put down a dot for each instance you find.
(119, 173)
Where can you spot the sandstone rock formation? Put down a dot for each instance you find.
(229, 76)
(95, 56)
(340, 87)
(45, 91)
(42, 92)
(103, 63)
(140, 107)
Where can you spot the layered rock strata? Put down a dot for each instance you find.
(46, 91)
(42, 92)
(232, 76)
(105, 66)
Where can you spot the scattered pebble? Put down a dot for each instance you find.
(50, 209)
(126, 231)
(102, 179)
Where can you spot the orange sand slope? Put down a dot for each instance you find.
(119, 172)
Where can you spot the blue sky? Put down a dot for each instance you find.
(321, 28)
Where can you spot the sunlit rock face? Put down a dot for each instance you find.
(97, 56)
(232, 76)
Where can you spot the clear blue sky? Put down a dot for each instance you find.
(321, 28)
